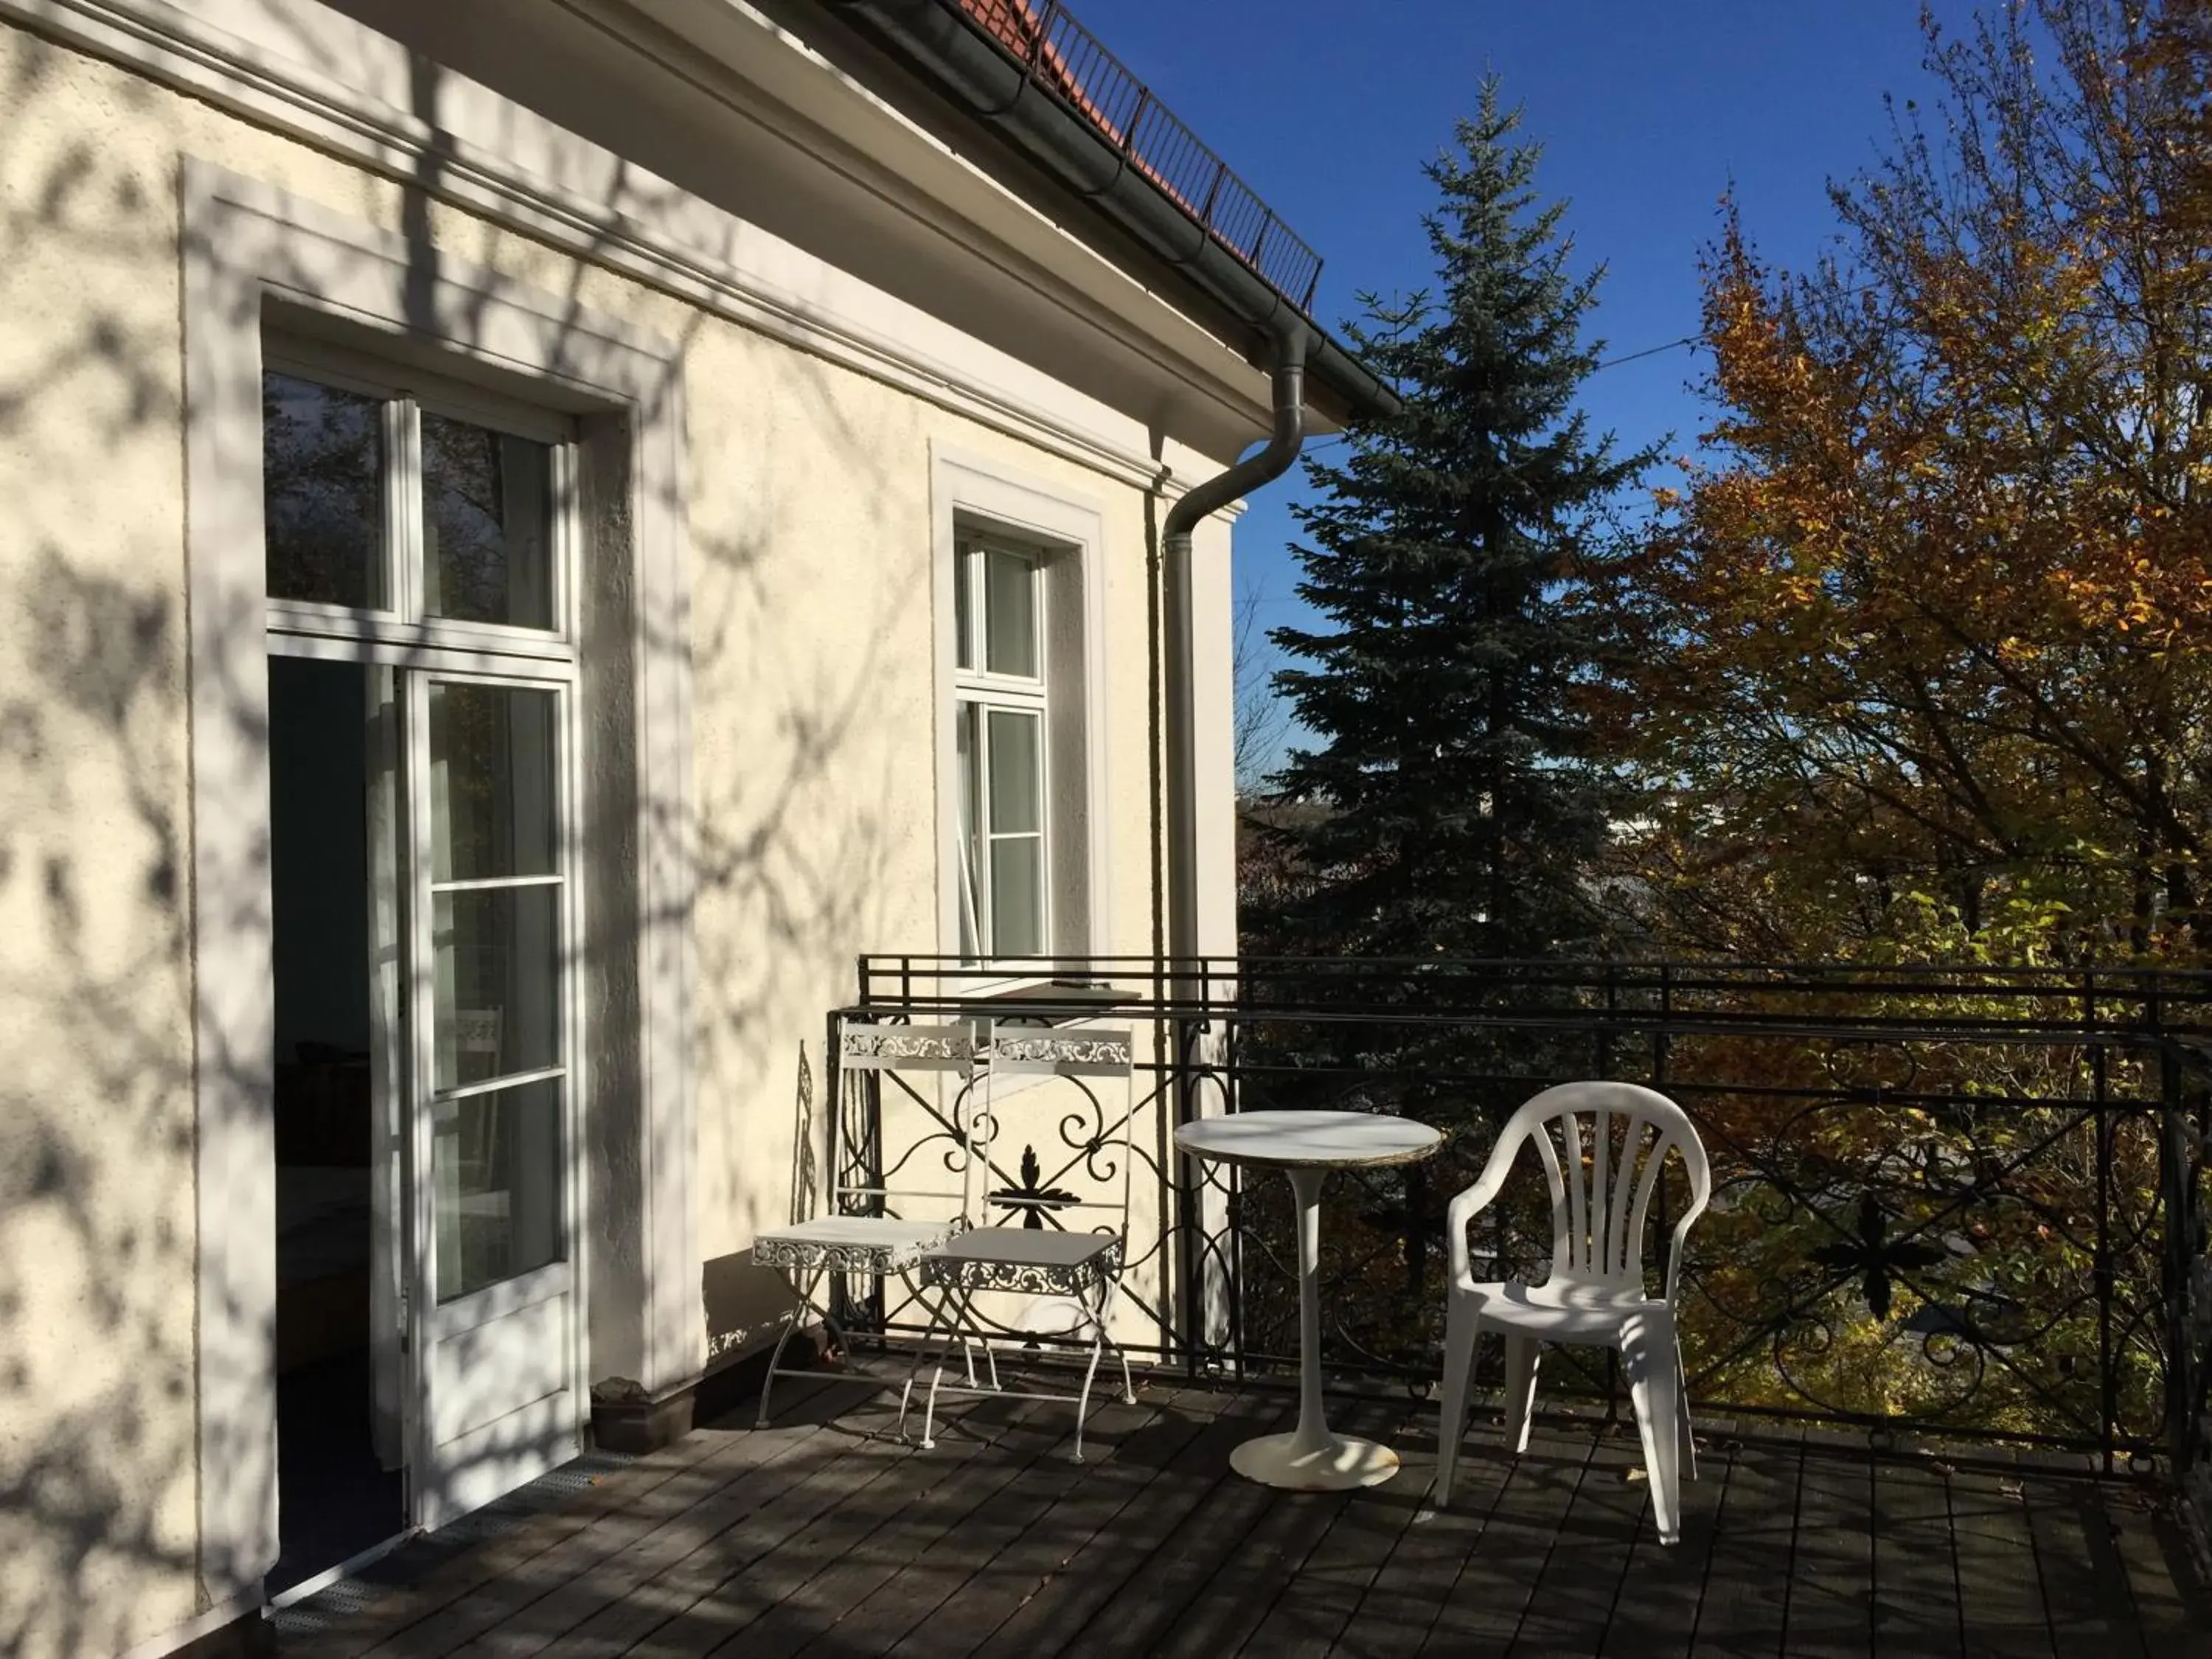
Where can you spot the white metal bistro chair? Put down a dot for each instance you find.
(875, 1244)
(1601, 1204)
(1070, 1274)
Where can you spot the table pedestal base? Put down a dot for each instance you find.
(1294, 1462)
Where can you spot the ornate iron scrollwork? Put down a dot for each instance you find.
(1877, 1259)
(1031, 1199)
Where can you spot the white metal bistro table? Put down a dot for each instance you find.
(1306, 1147)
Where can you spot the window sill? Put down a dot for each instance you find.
(1070, 999)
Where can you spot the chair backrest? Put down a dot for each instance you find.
(1601, 1195)
(863, 1183)
(1052, 1156)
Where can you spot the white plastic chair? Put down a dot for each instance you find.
(1597, 1294)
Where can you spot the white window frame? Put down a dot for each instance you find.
(246, 247)
(975, 499)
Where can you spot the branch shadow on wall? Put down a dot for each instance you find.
(791, 831)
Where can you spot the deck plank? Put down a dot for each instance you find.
(1741, 1608)
(1656, 1614)
(2160, 1579)
(1482, 1610)
(799, 1598)
(1401, 1605)
(2085, 1582)
(2000, 1592)
(1915, 1571)
(1830, 1613)
(1015, 1554)
(1272, 1582)
(424, 1577)
(1322, 1607)
(714, 1594)
(1572, 1605)
(821, 1612)
(631, 1594)
(1232, 1553)
(1208, 1509)
(747, 1467)
(1014, 1491)
(583, 1586)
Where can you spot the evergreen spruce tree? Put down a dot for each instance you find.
(1458, 806)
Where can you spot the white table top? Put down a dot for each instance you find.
(1307, 1138)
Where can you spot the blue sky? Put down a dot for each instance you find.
(1647, 109)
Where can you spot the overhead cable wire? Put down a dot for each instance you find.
(1692, 341)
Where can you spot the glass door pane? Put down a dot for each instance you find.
(968, 743)
(495, 888)
(493, 749)
(498, 982)
(1010, 614)
(1017, 832)
(322, 485)
(487, 524)
(498, 1181)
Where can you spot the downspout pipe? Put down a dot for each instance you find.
(1194, 1036)
(1264, 467)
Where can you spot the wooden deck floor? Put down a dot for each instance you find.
(826, 1535)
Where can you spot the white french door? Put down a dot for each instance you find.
(427, 531)
(485, 920)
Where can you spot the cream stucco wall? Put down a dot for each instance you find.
(814, 776)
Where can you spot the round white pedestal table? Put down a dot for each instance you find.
(1306, 1147)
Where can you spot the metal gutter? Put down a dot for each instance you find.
(1099, 161)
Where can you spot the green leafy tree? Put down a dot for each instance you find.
(1463, 807)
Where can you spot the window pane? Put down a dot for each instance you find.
(497, 965)
(322, 500)
(1016, 775)
(966, 717)
(492, 779)
(1009, 614)
(487, 525)
(1018, 896)
(963, 605)
(496, 1196)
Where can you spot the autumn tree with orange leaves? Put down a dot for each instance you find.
(1933, 621)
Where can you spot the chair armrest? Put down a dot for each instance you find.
(1675, 1245)
(1464, 1209)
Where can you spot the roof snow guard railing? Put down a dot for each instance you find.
(1065, 59)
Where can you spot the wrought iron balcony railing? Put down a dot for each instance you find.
(1956, 1202)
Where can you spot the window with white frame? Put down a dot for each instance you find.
(430, 514)
(1021, 714)
(1002, 724)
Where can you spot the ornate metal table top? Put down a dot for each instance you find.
(1307, 1139)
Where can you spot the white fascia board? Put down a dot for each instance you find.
(879, 137)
